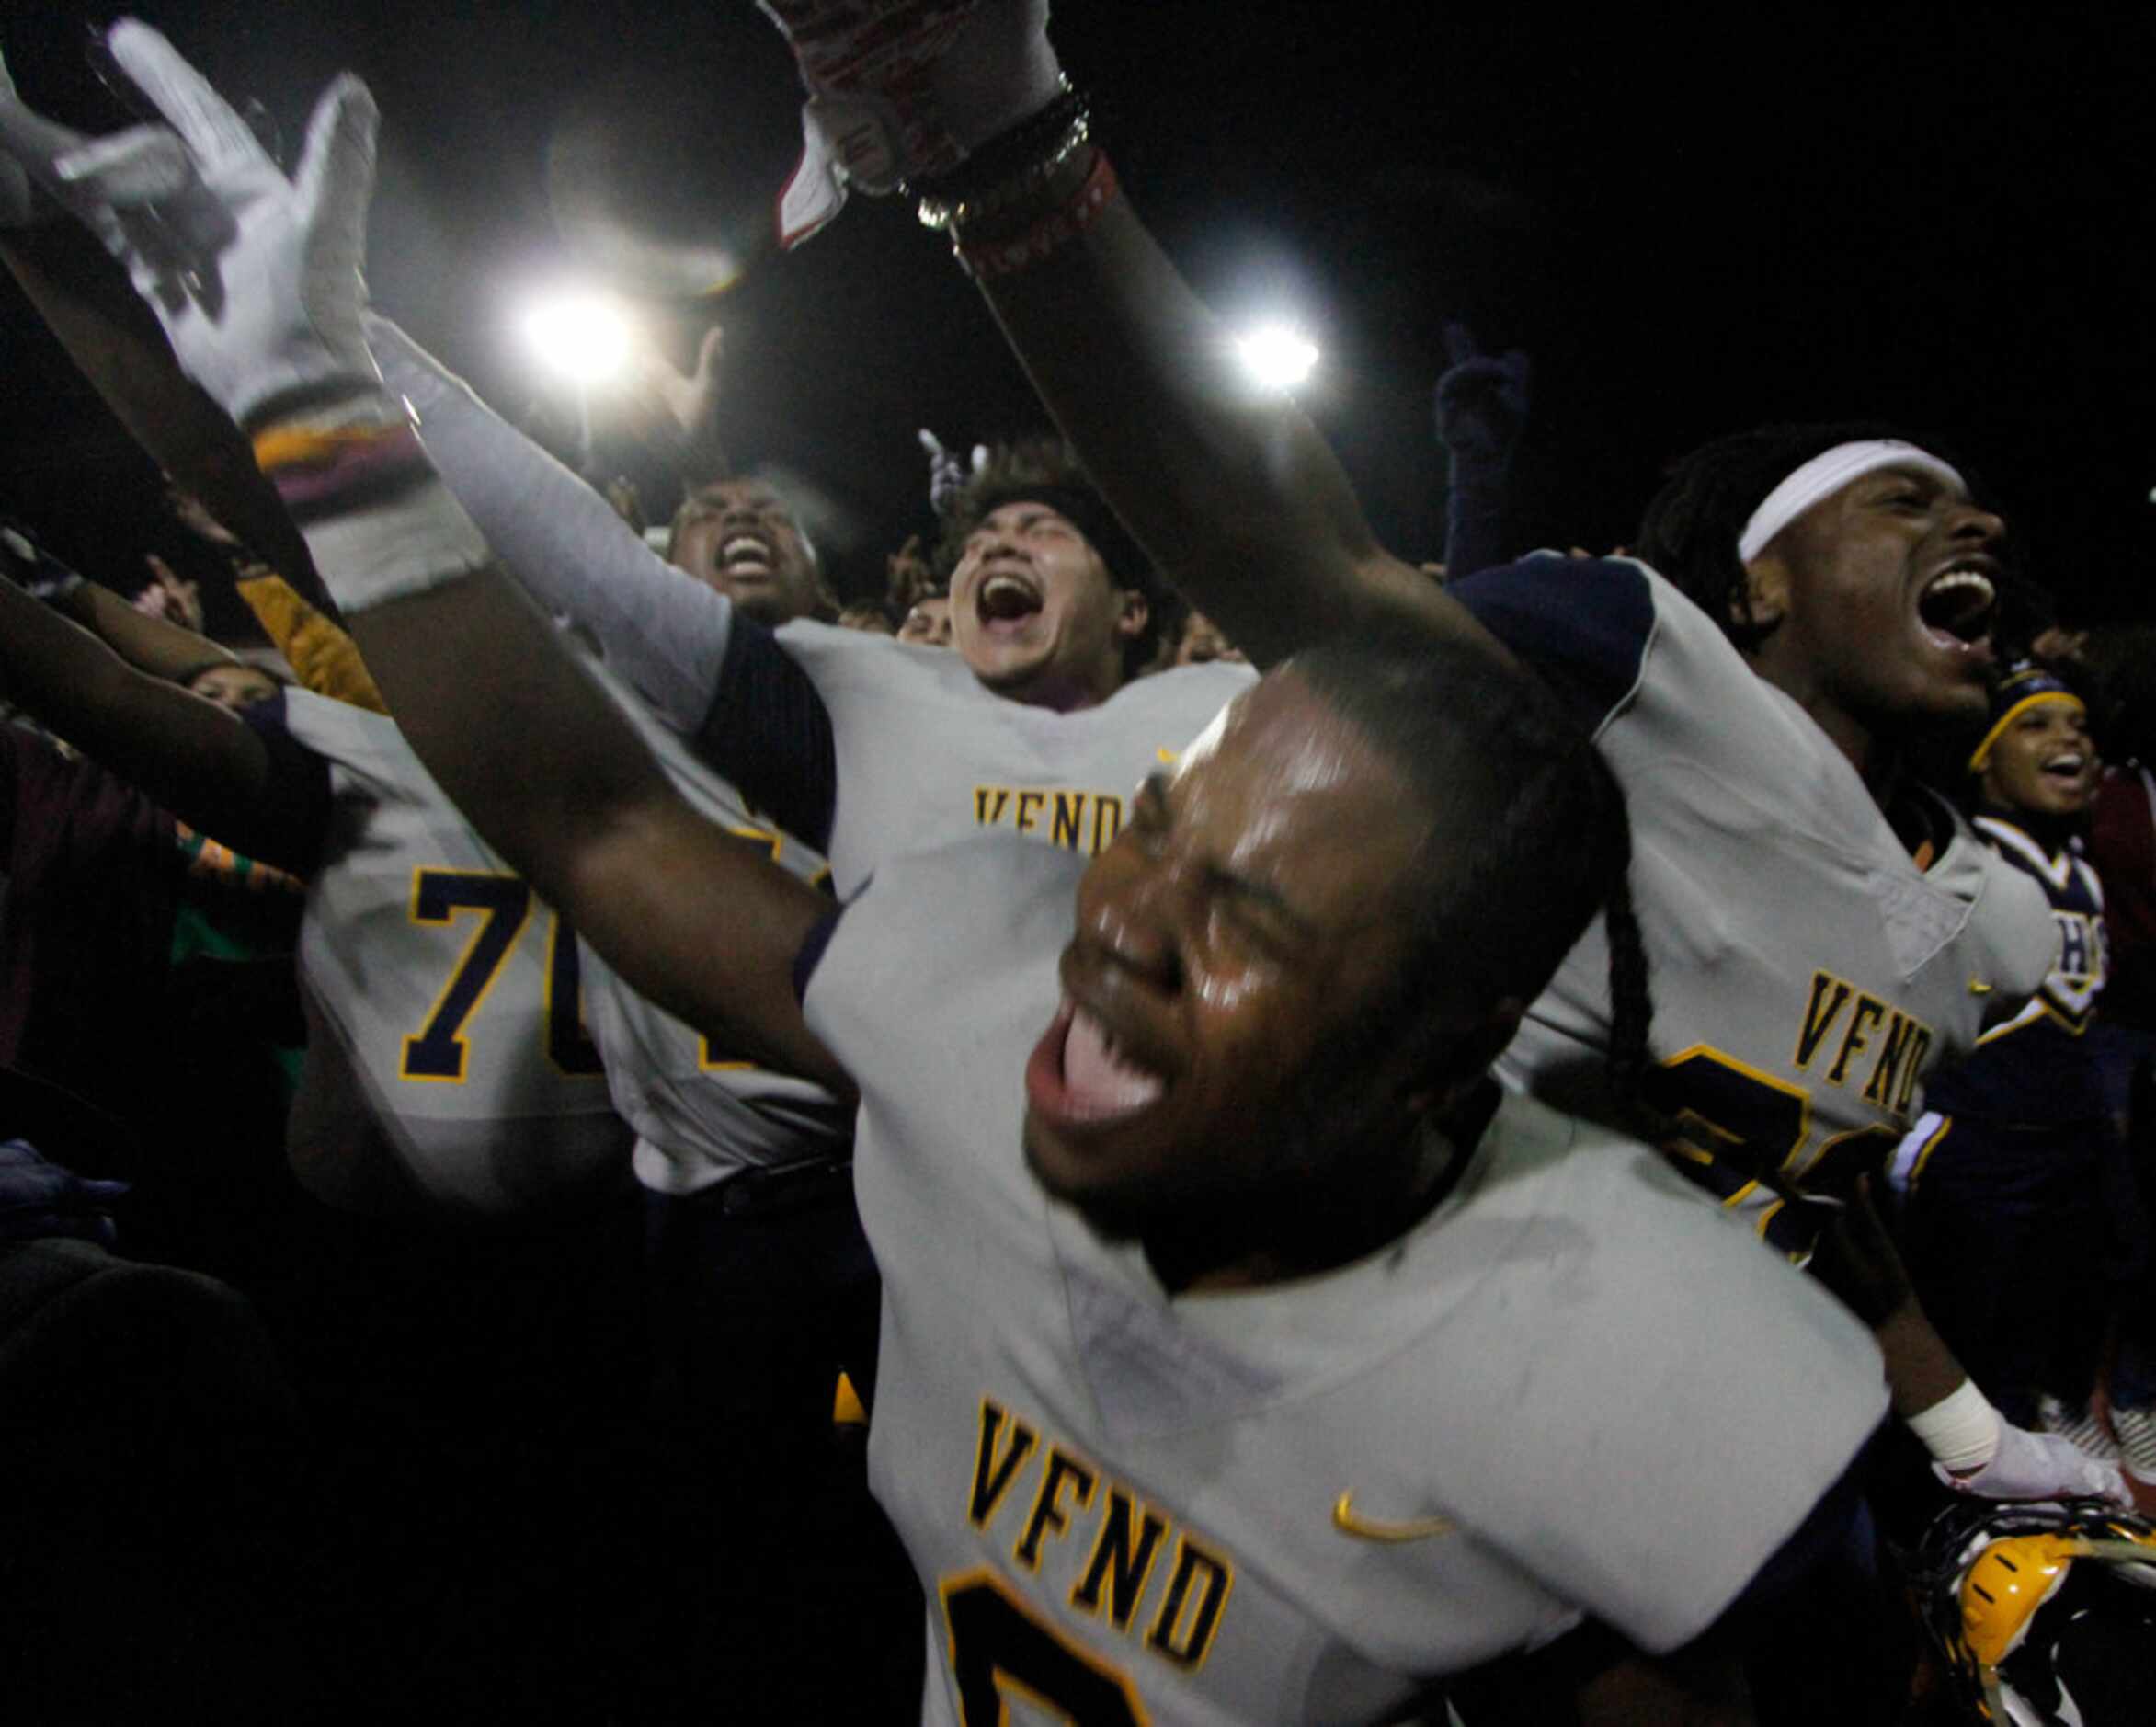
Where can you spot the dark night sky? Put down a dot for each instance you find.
(1935, 215)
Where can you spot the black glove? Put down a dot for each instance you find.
(40, 1200)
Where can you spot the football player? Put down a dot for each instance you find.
(1286, 1365)
(1823, 932)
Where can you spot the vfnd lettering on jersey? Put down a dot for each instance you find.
(1807, 966)
(1079, 821)
(925, 754)
(1129, 1567)
(455, 991)
(1766, 1144)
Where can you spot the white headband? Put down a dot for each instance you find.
(1827, 473)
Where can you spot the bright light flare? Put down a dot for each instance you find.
(1276, 355)
(587, 337)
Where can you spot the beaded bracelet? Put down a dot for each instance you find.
(985, 261)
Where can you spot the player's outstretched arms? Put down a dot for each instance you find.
(268, 321)
(1230, 488)
(561, 541)
(544, 767)
(202, 763)
(115, 341)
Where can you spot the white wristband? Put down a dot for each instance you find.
(1960, 1431)
(420, 539)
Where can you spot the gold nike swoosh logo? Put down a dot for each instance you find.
(1415, 1529)
(1977, 986)
(1169, 757)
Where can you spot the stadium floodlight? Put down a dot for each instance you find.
(583, 336)
(1276, 355)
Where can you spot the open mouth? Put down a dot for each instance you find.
(746, 554)
(1006, 602)
(2066, 771)
(1081, 1074)
(1958, 605)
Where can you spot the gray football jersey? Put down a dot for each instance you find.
(925, 754)
(452, 987)
(701, 1113)
(1290, 1503)
(1806, 973)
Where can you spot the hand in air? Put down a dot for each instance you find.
(1481, 400)
(902, 90)
(255, 278)
(948, 471)
(169, 597)
(675, 410)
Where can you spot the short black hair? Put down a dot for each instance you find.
(1046, 470)
(1542, 843)
(1692, 524)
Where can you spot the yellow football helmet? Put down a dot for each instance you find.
(2045, 1614)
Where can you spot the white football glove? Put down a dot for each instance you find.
(2040, 1466)
(903, 89)
(948, 471)
(255, 278)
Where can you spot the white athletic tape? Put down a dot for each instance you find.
(1961, 1430)
(406, 545)
(1827, 473)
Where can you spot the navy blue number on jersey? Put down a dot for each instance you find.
(502, 905)
(1746, 1138)
(994, 1639)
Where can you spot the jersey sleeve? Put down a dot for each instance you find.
(767, 729)
(562, 543)
(2016, 937)
(1584, 623)
(295, 803)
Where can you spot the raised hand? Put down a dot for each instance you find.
(901, 90)
(677, 411)
(169, 597)
(255, 278)
(1481, 400)
(948, 471)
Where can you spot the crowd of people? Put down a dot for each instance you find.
(1178, 1116)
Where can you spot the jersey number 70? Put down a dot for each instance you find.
(502, 905)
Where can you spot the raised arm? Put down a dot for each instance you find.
(561, 541)
(1230, 488)
(694, 920)
(202, 763)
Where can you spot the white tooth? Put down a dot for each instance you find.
(1097, 1081)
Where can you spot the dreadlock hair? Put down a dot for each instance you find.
(1528, 837)
(1691, 525)
(1045, 470)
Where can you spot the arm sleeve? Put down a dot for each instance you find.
(1474, 522)
(767, 730)
(1584, 623)
(321, 656)
(561, 541)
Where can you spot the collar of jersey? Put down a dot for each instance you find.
(1157, 1365)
